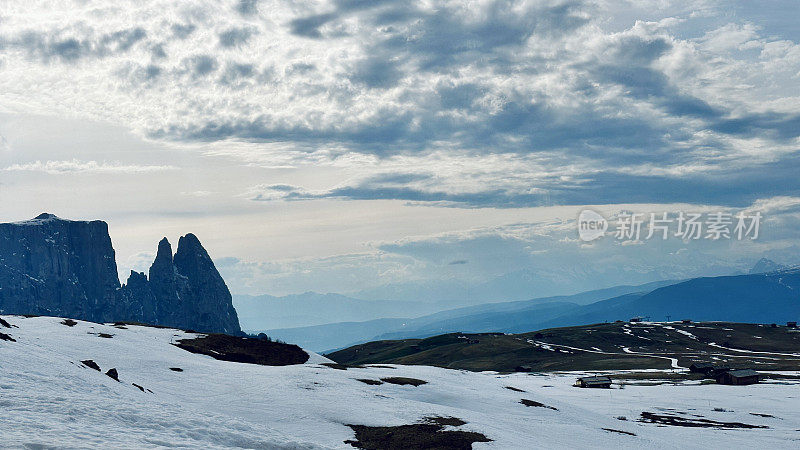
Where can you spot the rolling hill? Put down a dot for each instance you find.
(607, 346)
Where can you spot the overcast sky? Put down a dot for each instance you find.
(393, 147)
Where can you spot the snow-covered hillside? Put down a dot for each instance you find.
(49, 398)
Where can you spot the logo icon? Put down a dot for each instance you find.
(591, 225)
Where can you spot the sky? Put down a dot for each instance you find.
(406, 150)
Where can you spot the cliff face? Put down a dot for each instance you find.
(210, 300)
(56, 267)
(50, 266)
(185, 291)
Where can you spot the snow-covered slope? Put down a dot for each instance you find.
(49, 398)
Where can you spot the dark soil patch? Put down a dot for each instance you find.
(337, 366)
(428, 435)
(176, 369)
(402, 381)
(140, 324)
(139, 387)
(677, 421)
(769, 416)
(444, 421)
(369, 382)
(4, 323)
(112, 373)
(91, 364)
(69, 322)
(244, 350)
(619, 431)
(6, 337)
(527, 402)
(378, 366)
(105, 335)
(511, 388)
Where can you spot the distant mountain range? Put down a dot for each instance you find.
(417, 299)
(311, 309)
(518, 315)
(753, 298)
(765, 265)
(260, 312)
(527, 283)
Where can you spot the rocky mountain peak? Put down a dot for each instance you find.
(46, 216)
(56, 267)
(164, 253)
(51, 266)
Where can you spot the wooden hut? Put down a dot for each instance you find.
(738, 377)
(594, 382)
(699, 367)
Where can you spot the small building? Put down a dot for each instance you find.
(635, 319)
(717, 371)
(594, 382)
(699, 367)
(791, 324)
(738, 377)
(523, 369)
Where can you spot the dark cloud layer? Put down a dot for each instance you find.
(234, 37)
(46, 46)
(610, 116)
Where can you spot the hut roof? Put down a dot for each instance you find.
(741, 373)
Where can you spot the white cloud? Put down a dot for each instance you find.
(77, 166)
(525, 259)
(198, 194)
(731, 37)
(450, 103)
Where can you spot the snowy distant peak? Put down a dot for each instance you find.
(765, 265)
(41, 219)
(46, 216)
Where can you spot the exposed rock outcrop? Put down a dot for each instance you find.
(185, 291)
(50, 266)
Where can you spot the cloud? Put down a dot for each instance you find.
(247, 7)
(76, 166)
(200, 65)
(59, 44)
(524, 260)
(309, 26)
(234, 37)
(589, 103)
(182, 31)
(376, 72)
(199, 194)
